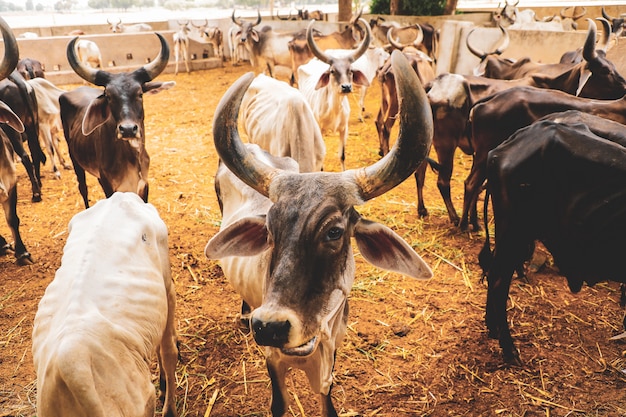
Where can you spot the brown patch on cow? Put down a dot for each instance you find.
(445, 365)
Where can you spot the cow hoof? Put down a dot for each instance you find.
(36, 198)
(422, 213)
(512, 358)
(6, 248)
(24, 259)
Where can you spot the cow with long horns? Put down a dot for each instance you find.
(284, 242)
(104, 129)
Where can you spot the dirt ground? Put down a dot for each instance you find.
(412, 348)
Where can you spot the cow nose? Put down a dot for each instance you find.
(273, 333)
(128, 130)
(346, 88)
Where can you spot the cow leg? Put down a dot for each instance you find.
(44, 133)
(18, 148)
(82, 181)
(383, 145)
(10, 213)
(343, 136)
(277, 372)
(473, 186)
(328, 409)
(168, 356)
(498, 285)
(108, 189)
(445, 156)
(420, 178)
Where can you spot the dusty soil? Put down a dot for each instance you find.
(412, 348)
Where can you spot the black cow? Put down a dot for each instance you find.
(8, 173)
(562, 181)
(30, 68)
(104, 129)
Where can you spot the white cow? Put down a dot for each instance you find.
(119, 27)
(49, 114)
(369, 63)
(88, 53)
(326, 82)
(278, 118)
(181, 45)
(108, 310)
(285, 242)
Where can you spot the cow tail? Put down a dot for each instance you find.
(434, 165)
(485, 257)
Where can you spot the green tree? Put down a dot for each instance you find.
(30, 5)
(39, 7)
(64, 5)
(123, 4)
(410, 7)
(99, 4)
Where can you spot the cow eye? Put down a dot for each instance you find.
(334, 233)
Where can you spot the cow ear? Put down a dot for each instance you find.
(97, 113)
(155, 87)
(358, 78)
(323, 81)
(383, 248)
(7, 116)
(254, 35)
(245, 237)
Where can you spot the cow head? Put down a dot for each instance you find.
(396, 44)
(340, 73)
(247, 28)
(122, 98)
(617, 23)
(184, 28)
(116, 27)
(30, 68)
(307, 229)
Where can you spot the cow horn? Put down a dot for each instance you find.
(235, 20)
(605, 15)
(83, 71)
(394, 42)
(419, 38)
(206, 23)
(258, 20)
(476, 52)
(505, 41)
(154, 68)
(414, 138)
(482, 55)
(606, 34)
(589, 49)
(322, 56)
(11, 50)
(228, 144)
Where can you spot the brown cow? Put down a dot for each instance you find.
(104, 130)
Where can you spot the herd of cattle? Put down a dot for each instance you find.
(548, 145)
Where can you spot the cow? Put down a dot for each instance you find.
(30, 68)
(559, 181)
(266, 47)
(16, 93)
(421, 64)
(300, 52)
(326, 82)
(278, 118)
(108, 310)
(104, 129)
(88, 53)
(212, 35)
(617, 23)
(49, 115)
(8, 172)
(497, 117)
(405, 34)
(181, 45)
(284, 242)
(303, 14)
(119, 27)
(453, 95)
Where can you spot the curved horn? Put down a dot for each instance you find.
(581, 14)
(564, 10)
(476, 52)
(11, 50)
(606, 34)
(258, 20)
(154, 68)
(83, 71)
(228, 144)
(393, 42)
(235, 20)
(206, 23)
(315, 50)
(505, 41)
(365, 43)
(419, 38)
(589, 49)
(414, 138)
(605, 15)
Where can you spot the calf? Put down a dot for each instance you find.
(49, 115)
(560, 181)
(284, 242)
(104, 130)
(88, 53)
(278, 118)
(181, 45)
(212, 35)
(326, 83)
(109, 309)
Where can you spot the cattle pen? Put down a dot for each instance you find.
(413, 348)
